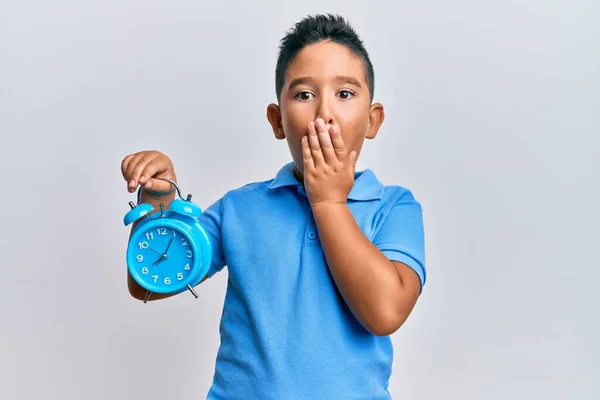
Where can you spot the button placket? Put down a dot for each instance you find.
(311, 233)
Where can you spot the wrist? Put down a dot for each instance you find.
(328, 206)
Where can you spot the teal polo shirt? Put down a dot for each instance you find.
(286, 333)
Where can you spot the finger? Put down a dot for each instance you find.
(129, 163)
(315, 146)
(149, 182)
(140, 165)
(307, 155)
(158, 186)
(125, 164)
(338, 143)
(129, 172)
(150, 168)
(325, 141)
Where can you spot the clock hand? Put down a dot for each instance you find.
(158, 261)
(169, 245)
(164, 255)
(156, 251)
(159, 253)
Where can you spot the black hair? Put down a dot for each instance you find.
(313, 29)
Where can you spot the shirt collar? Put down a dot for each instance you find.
(366, 185)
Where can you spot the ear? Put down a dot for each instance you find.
(274, 117)
(376, 117)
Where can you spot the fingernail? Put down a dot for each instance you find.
(148, 185)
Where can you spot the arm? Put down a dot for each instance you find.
(381, 293)
(373, 278)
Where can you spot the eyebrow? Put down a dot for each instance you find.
(299, 81)
(307, 79)
(349, 80)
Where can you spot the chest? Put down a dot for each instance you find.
(275, 242)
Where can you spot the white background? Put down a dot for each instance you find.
(492, 121)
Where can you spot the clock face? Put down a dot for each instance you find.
(162, 258)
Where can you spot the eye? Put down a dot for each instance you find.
(345, 94)
(303, 95)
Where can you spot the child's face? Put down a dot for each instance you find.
(326, 81)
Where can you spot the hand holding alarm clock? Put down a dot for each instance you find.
(168, 251)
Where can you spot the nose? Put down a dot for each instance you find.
(325, 112)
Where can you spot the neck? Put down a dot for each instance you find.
(298, 175)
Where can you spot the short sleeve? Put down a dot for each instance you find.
(211, 220)
(401, 235)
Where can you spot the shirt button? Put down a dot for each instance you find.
(312, 235)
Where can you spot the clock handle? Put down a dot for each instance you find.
(189, 196)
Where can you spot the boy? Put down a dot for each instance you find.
(324, 262)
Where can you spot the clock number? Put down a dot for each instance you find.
(189, 254)
(145, 270)
(167, 280)
(161, 231)
(179, 276)
(184, 242)
(155, 277)
(149, 235)
(143, 245)
(140, 258)
(174, 234)
(187, 267)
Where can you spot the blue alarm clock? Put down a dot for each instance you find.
(168, 251)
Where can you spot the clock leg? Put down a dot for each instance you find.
(193, 291)
(147, 297)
